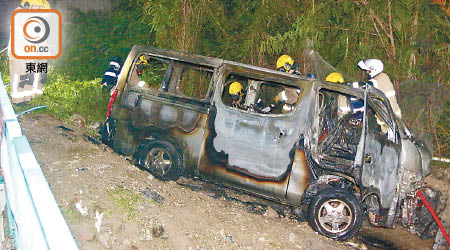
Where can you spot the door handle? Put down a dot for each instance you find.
(368, 158)
(138, 101)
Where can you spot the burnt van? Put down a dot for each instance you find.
(279, 136)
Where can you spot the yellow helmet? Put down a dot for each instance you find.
(142, 60)
(235, 88)
(335, 77)
(43, 4)
(285, 63)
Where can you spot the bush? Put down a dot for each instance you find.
(4, 67)
(66, 97)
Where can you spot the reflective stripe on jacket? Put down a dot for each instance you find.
(384, 84)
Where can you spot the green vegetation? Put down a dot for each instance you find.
(443, 132)
(66, 97)
(126, 200)
(412, 38)
(70, 213)
(153, 73)
(4, 67)
(93, 38)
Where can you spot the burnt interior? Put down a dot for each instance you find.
(260, 96)
(340, 130)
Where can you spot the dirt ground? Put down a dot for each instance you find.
(109, 203)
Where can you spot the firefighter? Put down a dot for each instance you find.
(287, 98)
(335, 77)
(283, 103)
(111, 75)
(285, 63)
(236, 92)
(380, 80)
(345, 105)
(140, 65)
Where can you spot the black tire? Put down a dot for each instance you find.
(335, 213)
(161, 158)
(108, 131)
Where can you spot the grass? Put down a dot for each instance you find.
(70, 213)
(440, 165)
(126, 200)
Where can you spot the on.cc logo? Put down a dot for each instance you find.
(36, 34)
(36, 29)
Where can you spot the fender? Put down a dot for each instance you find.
(324, 182)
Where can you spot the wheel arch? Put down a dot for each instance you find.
(328, 181)
(156, 137)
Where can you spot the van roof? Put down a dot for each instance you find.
(248, 69)
(178, 55)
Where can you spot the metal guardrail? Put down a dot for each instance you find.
(34, 218)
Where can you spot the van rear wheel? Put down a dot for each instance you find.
(162, 159)
(335, 213)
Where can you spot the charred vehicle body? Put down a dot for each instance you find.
(172, 112)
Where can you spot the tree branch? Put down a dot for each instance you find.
(391, 34)
(381, 39)
(386, 28)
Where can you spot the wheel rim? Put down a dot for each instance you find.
(335, 216)
(159, 161)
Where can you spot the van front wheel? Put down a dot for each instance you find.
(335, 213)
(162, 159)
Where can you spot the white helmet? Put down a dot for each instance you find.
(374, 65)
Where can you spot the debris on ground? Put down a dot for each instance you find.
(64, 128)
(377, 243)
(98, 220)
(94, 126)
(78, 120)
(157, 231)
(152, 196)
(146, 234)
(82, 209)
(92, 139)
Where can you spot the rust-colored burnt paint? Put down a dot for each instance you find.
(300, 159)
(220, 171)
(307, 176)
(300, 178)
(197, 129)
(190, 142)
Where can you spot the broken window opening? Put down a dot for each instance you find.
(258, 96)
(150, 73)
(234, 91)
(194, 81)
(340, 126)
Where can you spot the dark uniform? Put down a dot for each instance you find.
(111, 75)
